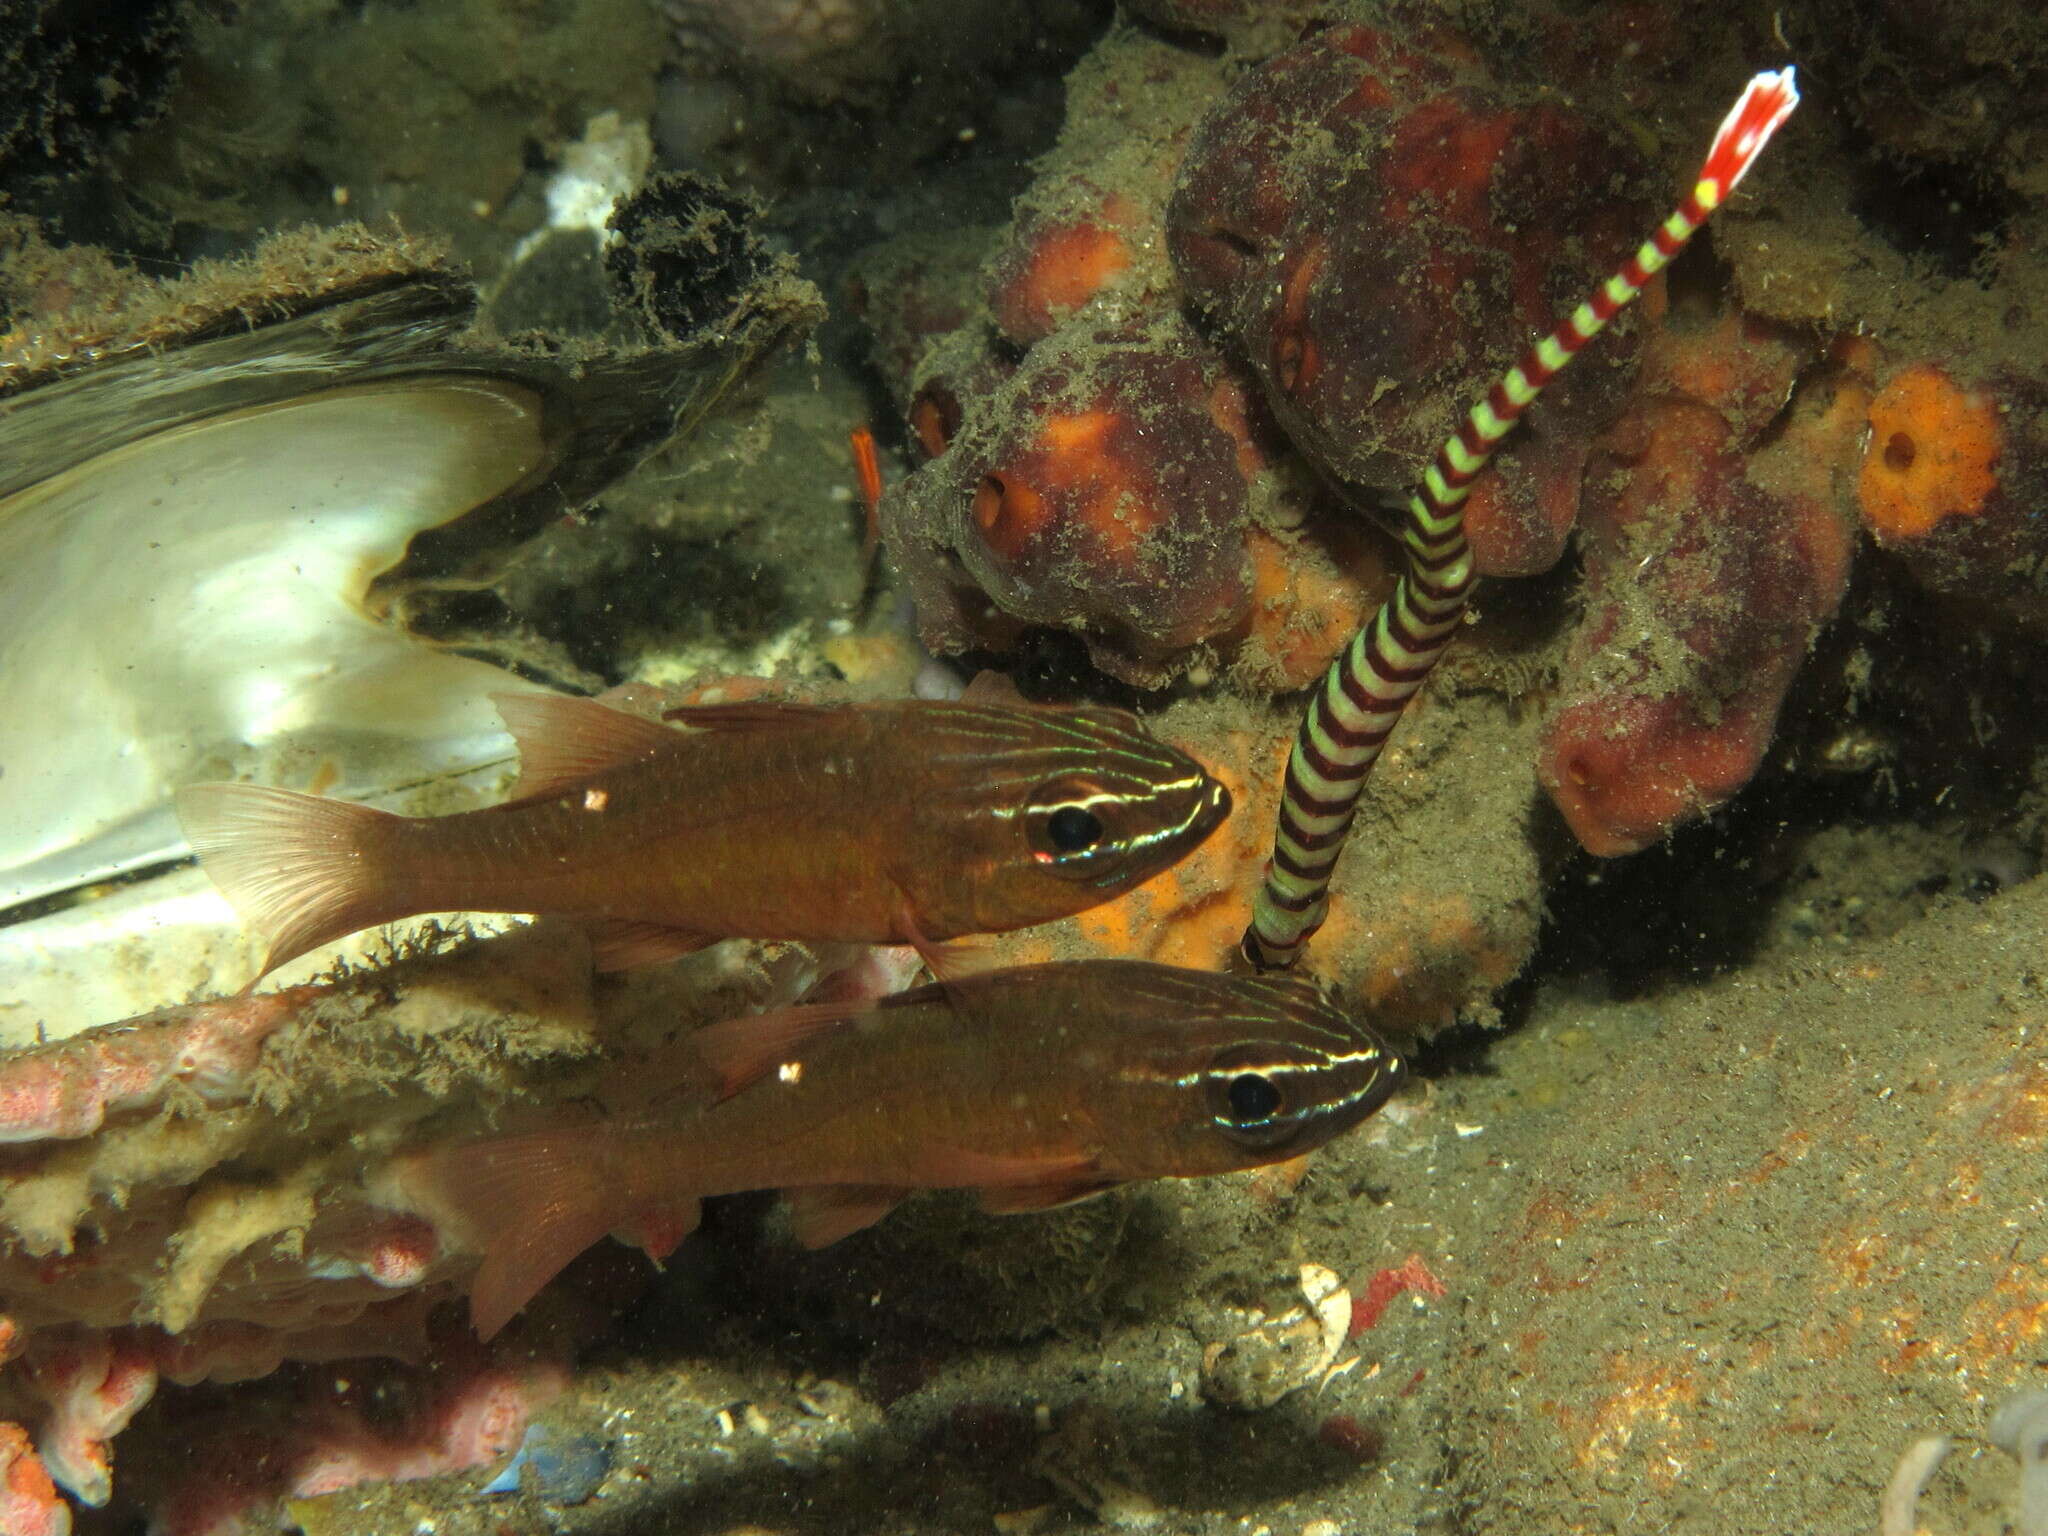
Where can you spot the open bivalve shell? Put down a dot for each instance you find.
(213, 533)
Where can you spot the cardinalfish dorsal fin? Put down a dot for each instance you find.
(564, 741)
(750, 715)
(994, 688)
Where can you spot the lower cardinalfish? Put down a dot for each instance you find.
(880, 823)
(1036, 1085)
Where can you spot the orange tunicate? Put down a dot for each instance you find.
(1933, 451)
(1309, 595)
(1059, 266)
(1078, 467)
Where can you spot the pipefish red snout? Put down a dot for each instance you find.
(879, 823)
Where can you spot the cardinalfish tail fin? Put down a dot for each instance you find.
(532, 1203)
(298, 868)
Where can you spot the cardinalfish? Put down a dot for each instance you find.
(907, 822)
(1034, 1085)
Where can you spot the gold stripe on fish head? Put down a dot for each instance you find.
(1204, 1073)
(1052, 811)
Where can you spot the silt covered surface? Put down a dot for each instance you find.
(1716, 1240)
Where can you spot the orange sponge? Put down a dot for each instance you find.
(1933, 454)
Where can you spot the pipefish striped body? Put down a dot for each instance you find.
(1361, 697)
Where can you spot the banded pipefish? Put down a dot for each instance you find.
(1360, 698)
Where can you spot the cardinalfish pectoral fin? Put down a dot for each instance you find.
(531, 1203)
(659, 1230)
(744, 1050)
(821, 1214)
(564, 740)
(302, 870)
(949, 961)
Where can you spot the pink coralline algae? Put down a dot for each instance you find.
(191, 1197)
(29, 1503)
(203, 1195)
(316, 1438)
(66, 1090)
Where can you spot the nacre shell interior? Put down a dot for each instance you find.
(182, 607)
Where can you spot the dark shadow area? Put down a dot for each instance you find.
(1947, 215)
(682, 589)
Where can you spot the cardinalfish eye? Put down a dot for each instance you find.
(1253, 1099)
(1073, 829)
(1247, 1099)
(1068, 825)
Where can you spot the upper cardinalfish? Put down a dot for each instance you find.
(877, 823)
(1036, 1085)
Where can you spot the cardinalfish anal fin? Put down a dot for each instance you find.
(1034, 1085)
(869, 823)
(1361, 697)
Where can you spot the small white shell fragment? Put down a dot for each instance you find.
(1331, 1303)
(1269, 1357)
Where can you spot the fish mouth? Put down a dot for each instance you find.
(1213, 810)
(1387, 1082)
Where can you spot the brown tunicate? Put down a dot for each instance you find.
(1380, 229)
(1098, 491)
